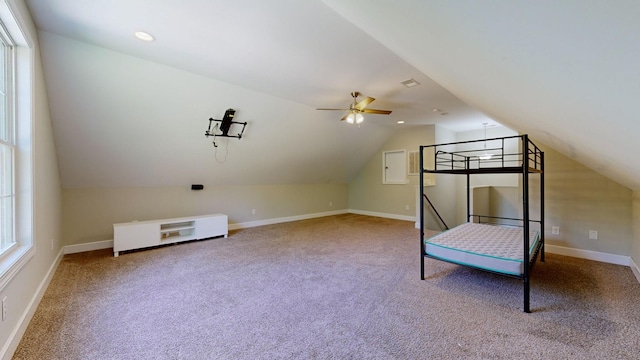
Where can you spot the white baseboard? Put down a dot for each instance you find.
(96, 245)
(554, 249)
(383, 215)
(635, 269)
(107, 244)
(13, 341)
(589, 255)
(250, 224)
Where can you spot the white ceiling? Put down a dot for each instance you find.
(564, 71)
(297, 50)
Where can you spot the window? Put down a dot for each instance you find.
(7, 144)
(414, 162)
(414, 167)
(17, 245)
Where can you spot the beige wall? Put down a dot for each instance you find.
(22, 289)
(635, 248)
(89, 214)
(368, 193)
(505, 202)
(481, 179)
(497, 201)
(441, 194)
(480, 202)
(578, 200)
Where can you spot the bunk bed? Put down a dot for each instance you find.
(501, 245)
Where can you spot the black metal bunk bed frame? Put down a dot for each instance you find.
(529, 160)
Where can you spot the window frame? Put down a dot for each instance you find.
(12, 261)
(9, 91)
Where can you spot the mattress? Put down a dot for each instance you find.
(489, 247)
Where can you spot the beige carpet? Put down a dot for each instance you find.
(339, 287)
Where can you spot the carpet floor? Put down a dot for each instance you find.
(338, 287)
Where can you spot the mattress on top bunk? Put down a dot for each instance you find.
(489, 247)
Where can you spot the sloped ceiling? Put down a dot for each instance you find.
(127, 113)
(296, 50)
(565, 72)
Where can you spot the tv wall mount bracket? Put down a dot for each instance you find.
(221, 127)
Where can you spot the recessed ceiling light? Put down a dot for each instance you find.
(400, 122)
(410, 83)
(144, 36)
(436, 110)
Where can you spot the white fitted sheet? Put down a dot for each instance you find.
(490, 247)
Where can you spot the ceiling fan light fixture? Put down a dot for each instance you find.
(355, 110)
(144, 36)
(355, 118)
(351, 118)
(486, 155)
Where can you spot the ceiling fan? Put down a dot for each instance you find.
(355, 110)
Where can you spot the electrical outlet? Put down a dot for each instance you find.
(406, 207)
(593, 235)
(555, 230)
(330, 203)
(4, 308)
(253, 211)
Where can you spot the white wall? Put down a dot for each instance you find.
(22, 290)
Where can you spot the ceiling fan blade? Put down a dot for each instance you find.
(345, 117)
(374, 111)
(362, 104)
(332, 109)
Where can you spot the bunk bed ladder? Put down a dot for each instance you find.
(436, 211)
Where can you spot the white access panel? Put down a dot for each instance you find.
(394, 167)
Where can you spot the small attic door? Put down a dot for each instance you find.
(394, 167)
